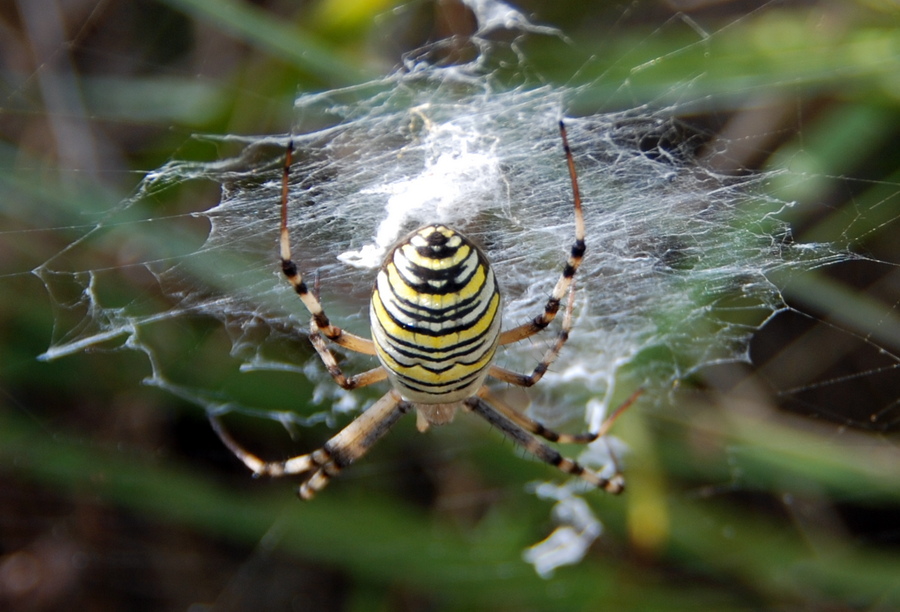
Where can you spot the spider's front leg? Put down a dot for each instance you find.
(523, 438)
(354, 441)
(344, 448)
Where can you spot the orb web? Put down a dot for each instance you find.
(677, 276)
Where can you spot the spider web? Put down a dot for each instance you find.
(688, 255)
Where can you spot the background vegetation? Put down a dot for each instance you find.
(758, 488)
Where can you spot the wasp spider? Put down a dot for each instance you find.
(436, 325)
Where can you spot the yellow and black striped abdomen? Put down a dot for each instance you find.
(435, 316)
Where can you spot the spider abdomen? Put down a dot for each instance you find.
(435, 316)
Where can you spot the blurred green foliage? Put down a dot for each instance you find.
(752, 491)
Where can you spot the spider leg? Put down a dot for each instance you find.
(295, 278)
(576, 254)
(352, 382)
(532, 426)
(527, 380)
(341, 450)
(354, 441)
(295, 465)
(540, 450)
(537, 428)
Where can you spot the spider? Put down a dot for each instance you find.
(435, 318)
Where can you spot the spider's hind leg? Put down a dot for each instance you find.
(576, 254)
(292, 273)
